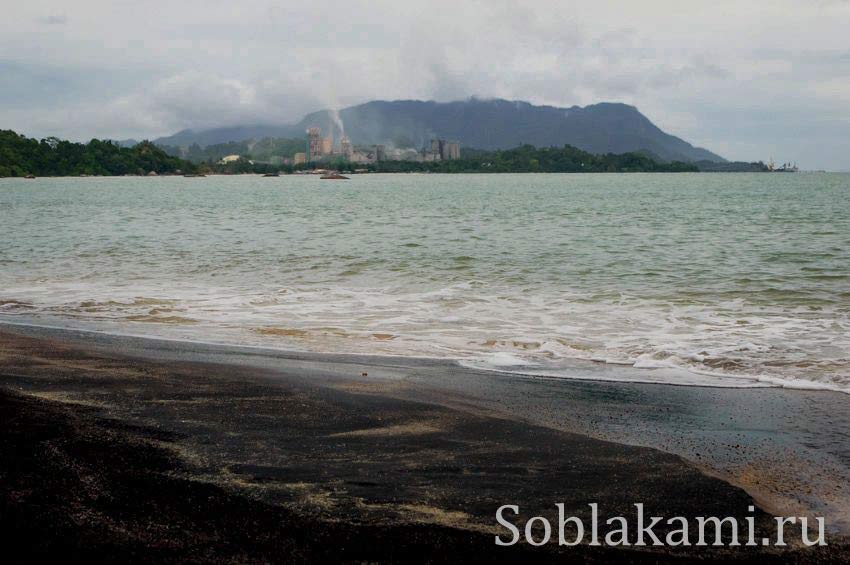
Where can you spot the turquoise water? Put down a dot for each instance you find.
(725, 279)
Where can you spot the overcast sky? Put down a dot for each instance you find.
(748, 80)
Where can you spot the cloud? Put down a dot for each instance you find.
(57, 19)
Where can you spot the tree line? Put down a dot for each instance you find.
(530, 159)
(522, 159)
(267, 150)
(21, 156)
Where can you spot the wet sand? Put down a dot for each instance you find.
(128, 448)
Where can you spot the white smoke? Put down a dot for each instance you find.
(337, 121)
(329, 83)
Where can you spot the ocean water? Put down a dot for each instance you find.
(701, 279)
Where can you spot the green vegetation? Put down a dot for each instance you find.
(268, 150)
(529, 159)
(523, 159)
(21, 156)
(731, 167)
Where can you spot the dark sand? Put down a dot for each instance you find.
(131, 449)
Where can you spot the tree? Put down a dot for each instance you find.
(51, 156)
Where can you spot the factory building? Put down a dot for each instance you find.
(345, 147)
(451, 150)
(442, 150)
(322, 148)
(314, 143)
(318, 146)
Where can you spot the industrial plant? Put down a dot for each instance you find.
(319, 149)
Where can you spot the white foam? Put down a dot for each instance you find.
(488, 327)
(503, 359)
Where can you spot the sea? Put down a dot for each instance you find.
(733, 280)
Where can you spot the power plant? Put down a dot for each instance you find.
(442, 150)
(320, 148)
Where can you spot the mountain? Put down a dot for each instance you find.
(126, 142)
(215, 136)
(481, 124)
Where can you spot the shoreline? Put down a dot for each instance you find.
(58, 364)
(701, 425)
(312, 174)
(458, 363)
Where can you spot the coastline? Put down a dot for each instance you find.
(376, 173)
(236, 418)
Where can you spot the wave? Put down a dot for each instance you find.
(664, 373)
(729, 341)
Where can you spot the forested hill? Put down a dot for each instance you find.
(483, 124)
(21, 156)
(266, 150)
(502, 124)
(529, 159)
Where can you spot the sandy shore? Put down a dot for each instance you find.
(132, 448)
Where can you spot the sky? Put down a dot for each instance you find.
(748, 80)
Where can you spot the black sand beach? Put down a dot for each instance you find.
(121, 448)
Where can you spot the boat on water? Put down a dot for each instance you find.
(784, 168)
(333, 176)
(787, 168)
(192, 176)
(271, 175)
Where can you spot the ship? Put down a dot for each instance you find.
(333, 176)
(784, 168)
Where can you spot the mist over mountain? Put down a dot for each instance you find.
(187, 137)
(476, 123)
